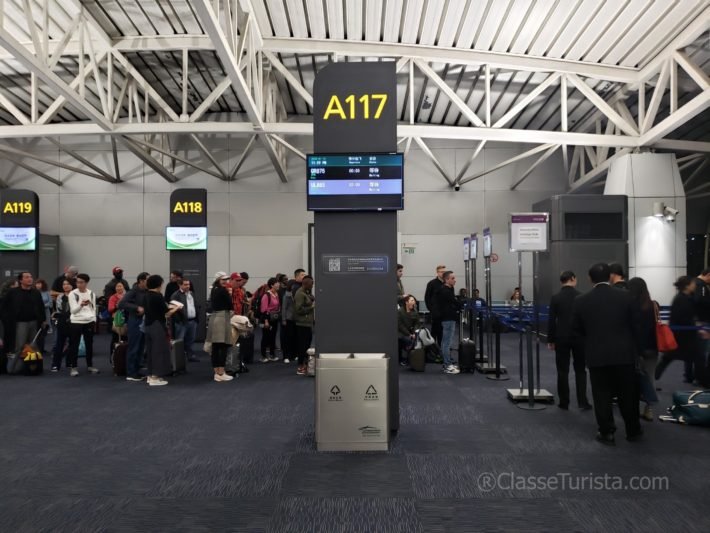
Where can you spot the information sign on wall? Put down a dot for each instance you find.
(528, 232)
(19, 208)
(466, 249)
(188, 207)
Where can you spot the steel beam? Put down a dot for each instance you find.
(597, 172)
(231, 66)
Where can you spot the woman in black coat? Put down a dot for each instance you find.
(682, 315)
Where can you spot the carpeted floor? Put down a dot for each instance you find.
(96, 453)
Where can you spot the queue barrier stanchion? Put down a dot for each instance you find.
(498, 376)
(530, 404)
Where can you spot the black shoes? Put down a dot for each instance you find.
(606, 438)
(563, 407)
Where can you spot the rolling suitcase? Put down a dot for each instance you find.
(417, 359)
(118, 358)
(467, 356)
(246, 348)
(178, 361)
(232, 365)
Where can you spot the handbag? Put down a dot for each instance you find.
(424, 338)
(665, 340)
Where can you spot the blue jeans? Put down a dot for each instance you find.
(186, 331)
(448, 328)
(134, 353)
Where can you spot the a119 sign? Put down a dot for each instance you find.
(17, 208)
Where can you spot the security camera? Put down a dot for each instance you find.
(457, 187)
(672, 211)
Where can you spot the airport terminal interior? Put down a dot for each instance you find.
(381, 211)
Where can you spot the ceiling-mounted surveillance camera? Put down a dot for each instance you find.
(457, 187)
(671, 211)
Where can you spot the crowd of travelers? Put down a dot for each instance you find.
(146, 316)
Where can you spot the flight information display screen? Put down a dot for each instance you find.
(355, 182)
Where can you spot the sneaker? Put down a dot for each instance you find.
(451, 369)
(135, 378)
(156, 382)
(301, 371)
(265, 360)
(287, 360)
(73, 372)
(273, 358)
(93, 370)
(223, 377)
(55, 369)
(647, 414)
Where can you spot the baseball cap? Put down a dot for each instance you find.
(236, 276)
(116, 270)
(220, 275)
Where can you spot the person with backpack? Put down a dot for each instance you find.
(270, 312)
(112, 286)
(82, 306)
(61, 317)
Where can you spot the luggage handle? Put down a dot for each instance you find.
(694, 394)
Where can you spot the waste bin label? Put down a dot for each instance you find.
(371, 393)
(335, 395)
(369, 431)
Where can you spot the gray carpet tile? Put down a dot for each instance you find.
(224, 476)
(354, 474)
(495, 515)
(198, 515)
(449, 438)
(639, 513)
(346, 515)
(446, 476)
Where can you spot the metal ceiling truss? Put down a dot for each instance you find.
(603, 111)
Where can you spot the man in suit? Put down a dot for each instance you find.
(617, 278)
(607, 322)
(561, 339)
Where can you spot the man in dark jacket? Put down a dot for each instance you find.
(134, 303)
(430, 300)
(25, 310)
(174, 284)
(561, 339)
(448, 307)
(607, 321)
(185, 319)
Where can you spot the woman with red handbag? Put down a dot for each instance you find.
(682, 316)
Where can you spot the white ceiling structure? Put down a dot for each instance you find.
(593, 79)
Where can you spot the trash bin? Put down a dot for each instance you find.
(351, 402)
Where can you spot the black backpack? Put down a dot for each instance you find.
(256, 301)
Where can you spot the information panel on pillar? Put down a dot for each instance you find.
(188, 207)
(487, 242)
(473, 247)
(355, 182)
(19, 208)
(466, 249)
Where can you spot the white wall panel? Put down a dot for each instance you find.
(156, 214)
(451, 212)
(267, 214)
(156, 257)
(98, 255)
(49, 214)
(101, 214)
(265, 257)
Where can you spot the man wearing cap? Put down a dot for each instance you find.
(110, 287)
(70, 275)
(238, 295)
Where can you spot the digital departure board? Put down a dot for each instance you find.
(355, 182)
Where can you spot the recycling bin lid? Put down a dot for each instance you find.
(369, 355)
(336, 355)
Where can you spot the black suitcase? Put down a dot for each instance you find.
(246, 349)
(467, 356)
(417, 359)
(178, 361)
(118, 359)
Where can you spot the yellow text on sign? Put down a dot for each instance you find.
(17, 208)
(351, 108)
(188, 207)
